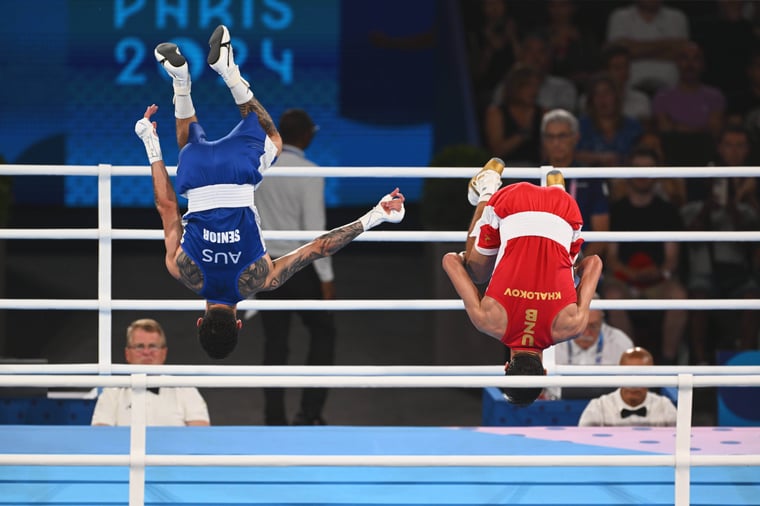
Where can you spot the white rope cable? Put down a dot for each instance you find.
(442, 460)
(360, 304)
(382, 235)
(326, 381)
(373, 370)
(406, 172)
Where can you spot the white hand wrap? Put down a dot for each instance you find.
(144, 130)
(378, 215)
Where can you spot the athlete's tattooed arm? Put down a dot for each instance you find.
(323, 246)
(254, 278)
(265, 120)
(190, 274)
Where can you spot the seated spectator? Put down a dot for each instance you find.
(554, 92)
(720, 269)
(559, 138)
(671, 189)
(146, 344)
(574, 51)
(607, 135)
(599, 344)
(627, 406)
(727, 38)
(690, 106)
(648, 153)
(732, 150)
(645, 269)
(653, 33)
(651, 141)
(512, 126)
(616, 61)
(491, 49)
(743, 106)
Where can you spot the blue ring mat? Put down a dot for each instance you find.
(375, 486)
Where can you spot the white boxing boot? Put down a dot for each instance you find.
(485, 182)
(168, 55)
(221, 58)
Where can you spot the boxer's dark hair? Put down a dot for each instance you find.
(523, 364)
(218, 333)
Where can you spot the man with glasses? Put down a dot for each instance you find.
(146, 345)
(559, 138)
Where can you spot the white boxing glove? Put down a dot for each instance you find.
(378, 215)
(145, 131)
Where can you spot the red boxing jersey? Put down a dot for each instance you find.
(536, 233)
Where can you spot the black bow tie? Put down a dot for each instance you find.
(154, 390)
(625, 413)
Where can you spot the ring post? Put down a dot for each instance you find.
(683, 439)
(105, 268)
(137, 440)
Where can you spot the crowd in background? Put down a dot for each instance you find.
(644, 83)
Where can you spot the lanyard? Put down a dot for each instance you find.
(599, 347)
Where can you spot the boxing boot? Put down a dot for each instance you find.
(221, 57)
(168, 55)
(485, 182)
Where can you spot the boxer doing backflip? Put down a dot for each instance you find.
(523, 242)
(216, 248)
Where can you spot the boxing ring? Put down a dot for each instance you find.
(66, 465)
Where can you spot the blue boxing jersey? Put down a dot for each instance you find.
(222, 243)
(222, 234)
(240, 157)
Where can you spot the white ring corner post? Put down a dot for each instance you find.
(105, 324)
(137, 440)
(548, 356)
(105, 268)
(683, 439)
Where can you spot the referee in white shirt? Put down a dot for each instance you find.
(296, 203)
(630, 406)
(177, 406)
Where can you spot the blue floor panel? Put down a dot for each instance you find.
(366, 486)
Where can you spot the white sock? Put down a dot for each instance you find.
(241, 92)
(183, 106)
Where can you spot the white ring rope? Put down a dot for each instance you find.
(432, 460)
(372, 370)
(383, 235)
(359, 304)
(401, 172)
(439, 381)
